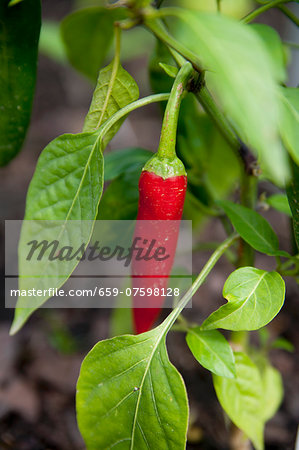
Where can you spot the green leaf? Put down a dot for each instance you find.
(14, 2)
(241, 398)
(120, 199)
(115, 89)
(212, 351)
(274, 47)
(254, 297)
(283, 344)
(67, 185)
(130, 396)
(50, 42)
(272, 387)
(293, 196)
(171, 71)
(125, 160)
(280, 203)
(203, 149)
(87, 35)
(289, 120)
(234, 57)
(253, 228)
(273, 391)
(18, 61)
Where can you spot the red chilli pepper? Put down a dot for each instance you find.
(162, 190)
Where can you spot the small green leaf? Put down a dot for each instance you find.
(115, 89)
(130, 396)
(87, 35)
(254, 298)
(253, 228)
(293, 196)
(280, 203)
(274, 47)
(212, 351)
(171, 71)
(14, 2)
(19, 34)
(234, 56)
(289, 120)
(241, 398)
(125, 160)
(283, 344)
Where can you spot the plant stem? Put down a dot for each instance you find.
(129, 108)
(169, 321)
(249, 17)
(167, 143)
(293, 45)
(287, 12)
(157, 28)
(248, 196)
(207, 102)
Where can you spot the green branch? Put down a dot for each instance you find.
(169, 321)
(251, 16)
(288, 13)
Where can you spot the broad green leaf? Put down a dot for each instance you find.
(280, 203)
(293, 196)
(18, 60)
(238, 65)
(120, 199)
(274, 47)
(254, 297)
(125, 160)
(115, 89)
(253, 228)
(273, 391)
(129, 396)
(289, 121)
(72, 187)
(171, 71)
(50, 42)
(67, 185)
(87, 35)
(212, 351)
(242, 398)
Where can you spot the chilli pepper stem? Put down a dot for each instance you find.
(169, 127)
